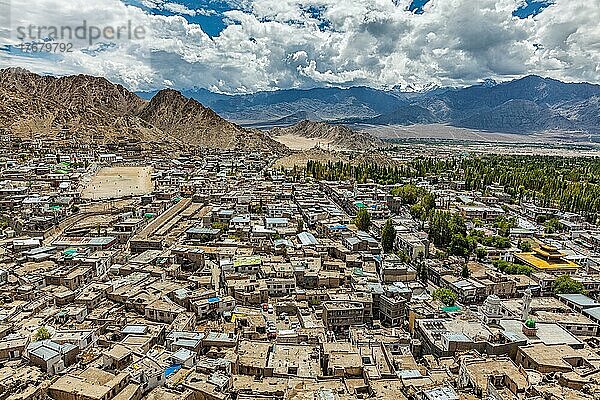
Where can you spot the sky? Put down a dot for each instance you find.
(243, 46)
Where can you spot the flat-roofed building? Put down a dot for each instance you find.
(340, 316)
(91, 384)
(551, 358)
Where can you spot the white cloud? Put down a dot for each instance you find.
(278, 43)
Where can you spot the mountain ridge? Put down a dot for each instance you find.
(94, 110)
(558, 106)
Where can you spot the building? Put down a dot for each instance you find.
(339, 316)
(548, 259)
(91, 384)
(52, 357)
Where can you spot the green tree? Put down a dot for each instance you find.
(403, 256)
(459, 246)
(481, 253)
(504, 225)
(552, 226)
(300, 226)
(363, 220)
(41, 334)
(424, 274)
(512, 268)
(525, 246)
(443, 226)
(417, 211)
(566, 285)
(499, 242)
(388, 236)
(408, 194)
(446, 296)
(465, 272)
(428, 202)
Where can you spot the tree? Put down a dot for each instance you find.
(567, 285)
(300, 227)
(363, 220)
(481, 253)
(408, 194)
(423, 275)
(552, 226)
(446, 296)
(417, 211)
(465, 273)
(403, 256)
(443, 226)
(525, 246)
(504, 225)
(41, 334)
(512, 268)
(428, 202)
(459, 246)
(388, 236)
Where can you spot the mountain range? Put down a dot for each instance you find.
(93, 110)
(528, 105)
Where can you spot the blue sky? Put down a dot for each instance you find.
(213, 21)
(240, 46)
(532, 7)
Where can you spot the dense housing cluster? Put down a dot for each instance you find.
(127, 274)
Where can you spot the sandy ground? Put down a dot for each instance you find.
(295, 142)
(117, 182)
(440, 131)
(447, 132)
(442, 140)
(300, 158)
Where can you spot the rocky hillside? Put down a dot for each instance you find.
(339, 136)
(88, 108)
(94, 110)
(193, 124)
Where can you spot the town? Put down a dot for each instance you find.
(128, 272)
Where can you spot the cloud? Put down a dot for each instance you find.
(271, 44)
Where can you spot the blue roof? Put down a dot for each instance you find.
(172, 369)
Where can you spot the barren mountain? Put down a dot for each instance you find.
(90, 109)
(338, 136)
(93, 110)
(193, 124)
